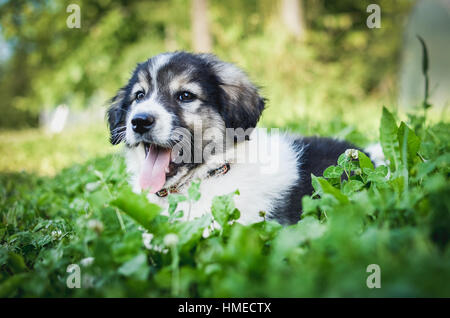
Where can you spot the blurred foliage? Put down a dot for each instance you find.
(340, 63)
(396, 217)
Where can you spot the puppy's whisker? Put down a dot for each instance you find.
(118, 129)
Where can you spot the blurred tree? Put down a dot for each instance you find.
(201, 35)
(50, 64)
(293, 17)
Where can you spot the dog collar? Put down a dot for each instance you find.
(211, 173)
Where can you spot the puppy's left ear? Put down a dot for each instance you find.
(116, 115)
(241, 103)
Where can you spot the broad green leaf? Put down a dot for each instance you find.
(409, 145)
(342, 159)
(174, 199)
(235, 215)
(398, 184)
(136, 267)
(389, 140)
(364, 161)
(328, 188)
(425, 168)
(192, 229)
(333, 172)
(309, 206)
(382, 170)
(178, 214)
(316, 184)
(194, 191)
(375, 176)
(352, 186)
(99, 198)
(223, 208)
(291, 237)
(136, 206)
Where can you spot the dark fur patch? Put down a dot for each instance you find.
(119, 106)
(318, 154)
(243, 111)
(116, 116)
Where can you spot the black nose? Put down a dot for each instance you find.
(142, 122)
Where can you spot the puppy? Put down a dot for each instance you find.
(190, 117)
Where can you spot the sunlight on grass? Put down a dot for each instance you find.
(35, 151)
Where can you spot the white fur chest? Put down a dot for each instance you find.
(263, 180)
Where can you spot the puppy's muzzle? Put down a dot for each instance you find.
(142, 123)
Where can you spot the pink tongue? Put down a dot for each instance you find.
(153, 172)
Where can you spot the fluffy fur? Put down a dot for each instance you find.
(223, 97)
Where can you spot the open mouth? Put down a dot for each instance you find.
(156, 167)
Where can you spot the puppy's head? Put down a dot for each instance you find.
(171, 95)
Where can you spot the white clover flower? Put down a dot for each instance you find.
(206, 232)
(92, 186)
(56, 234)
(87, 261)
(351, 153)
(146, 239)
(95, 225)
(171, 240)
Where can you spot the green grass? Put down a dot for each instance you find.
(87, 214)
(36, 151)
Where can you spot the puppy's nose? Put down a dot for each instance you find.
(142, 122)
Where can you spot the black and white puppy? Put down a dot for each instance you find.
(185, 117)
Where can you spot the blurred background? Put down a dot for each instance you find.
(322, 69)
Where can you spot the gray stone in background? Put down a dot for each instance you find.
(431, 20)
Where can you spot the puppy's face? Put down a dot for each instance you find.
(169, 97)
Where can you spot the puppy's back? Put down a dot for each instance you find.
(316, 154)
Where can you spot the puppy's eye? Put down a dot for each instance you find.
(140, 96)
(185, 97)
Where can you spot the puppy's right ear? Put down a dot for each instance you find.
(116, 115)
